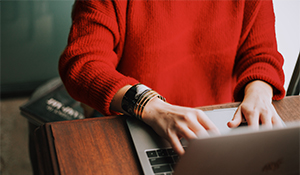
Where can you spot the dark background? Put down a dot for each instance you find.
(33, 35)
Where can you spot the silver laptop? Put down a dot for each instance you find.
(235, 151)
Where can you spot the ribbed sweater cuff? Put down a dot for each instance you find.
(265, 73)
(104, 95)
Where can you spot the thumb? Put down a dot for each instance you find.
(236, 120)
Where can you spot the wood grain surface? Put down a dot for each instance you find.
(103, 145)
(95, 146)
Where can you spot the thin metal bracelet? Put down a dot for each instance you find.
(131, 97)
(136, 98)
(141, 100)
(139, 108)
(146, 98)
(140, 112)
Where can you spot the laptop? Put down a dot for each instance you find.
(234, 151)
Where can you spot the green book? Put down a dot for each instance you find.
(51, 102)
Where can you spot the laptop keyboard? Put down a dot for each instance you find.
(162, 161)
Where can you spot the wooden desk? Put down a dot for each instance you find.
(104, 146)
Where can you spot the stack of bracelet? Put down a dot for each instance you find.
(136, 98)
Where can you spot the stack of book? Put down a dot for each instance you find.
(51, 102)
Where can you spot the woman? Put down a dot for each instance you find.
(192, 53)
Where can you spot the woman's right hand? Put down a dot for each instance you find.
(174, 122)
(170, 121)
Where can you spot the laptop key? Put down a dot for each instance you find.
(161, 168)
(162, 160)
(162, 152)
(151, 154)
(171, 152)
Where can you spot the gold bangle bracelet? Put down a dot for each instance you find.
(140, 105)
(136, 98)
(145, 100)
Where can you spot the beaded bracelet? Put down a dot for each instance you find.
(136, 98)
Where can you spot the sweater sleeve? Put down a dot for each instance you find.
(257, 57)
(88, 64)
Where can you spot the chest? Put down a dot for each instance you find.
(184, 25)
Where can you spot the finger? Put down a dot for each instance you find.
(266, 117)
(185, 132)
(252, 118)
(203, 133)
(176, 144)
(276, 120)
(236, 120)
(206, 123)
(266, 120)
(191, 129)
(195, 126)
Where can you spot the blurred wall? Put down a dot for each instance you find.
(34, 33)
(288, 33)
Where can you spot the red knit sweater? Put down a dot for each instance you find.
(193, 53)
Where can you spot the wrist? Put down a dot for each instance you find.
(260, 88)
(154, 107)
(136, 98)
(116, 103)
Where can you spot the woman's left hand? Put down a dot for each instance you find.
(257, 107)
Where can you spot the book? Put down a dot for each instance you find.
(51, 102)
